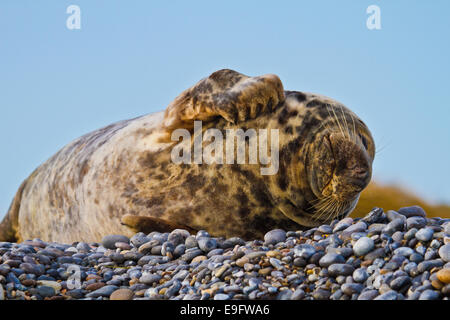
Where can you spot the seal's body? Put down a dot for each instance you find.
(122, 179)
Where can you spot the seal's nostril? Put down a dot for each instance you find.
(361, 173)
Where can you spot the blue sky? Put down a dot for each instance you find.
(133, 57)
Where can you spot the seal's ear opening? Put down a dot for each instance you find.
(226, 94)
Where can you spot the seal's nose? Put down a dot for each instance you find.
(361, 173)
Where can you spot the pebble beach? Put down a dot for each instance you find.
(393, 255)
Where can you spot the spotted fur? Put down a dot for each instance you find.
(117, 179)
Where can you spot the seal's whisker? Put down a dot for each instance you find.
(323, 206)
(332, 210)
(337, 121)
(345, 123)
(326, 124)
(354, 127)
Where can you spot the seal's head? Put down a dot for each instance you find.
(339, 166)
(334, 158)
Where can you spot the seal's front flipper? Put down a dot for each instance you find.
(149, 224)
(227, 94)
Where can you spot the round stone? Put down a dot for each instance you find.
(55, 285)
(415, 222)
(424, 234)
(123, 246)
(167, 248)
(331, 258)
(325, 229)
(404, 251)
(429, 295)
(340, 269)
(400, 283)
(444, 275)
(45, 291)
(363, 246)
(304, 251)
(390, 295)
(105, 291)
(221, 296)
(109, 241)
(360, 275)
(94, 286)
(191, 242)
(412, 211)
(122, 294)
(274, 236)
(198, 259)
(368, 295)
(83, 247)
(357, 227)
(149, 278)
(139, 239)
(393, 226)
(207, 244)
(392, 215)
(297, 294)
(178, 236)
(351, 288)
(444, 252)
(447, 228)
(320, 294)
(343, 224)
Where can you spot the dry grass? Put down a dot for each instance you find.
(391, 197)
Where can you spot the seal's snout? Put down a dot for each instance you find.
(353, 164)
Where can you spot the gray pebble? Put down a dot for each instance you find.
(393, 215)
(429, 295)
(221, 296)
(109, 241)
(343, 224)
(374, 216)
(298, 294)
(274, 236)
(191, 242)
(357, 227)
(363, 246)
(330, 258)
(390, 295)
(425, 234)
(412, 211)
(400, 283)
(304, 250)
(360, 275)
(393, 226)
(340, 269)
(351, 288)
(404, 251)
(207, 244)
(325, 229)
(149, 278)
(444, 252)
(368, 295)
(45, 291)
(415, 222)
(105, 291)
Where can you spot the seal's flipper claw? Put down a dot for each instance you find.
(149, 224)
